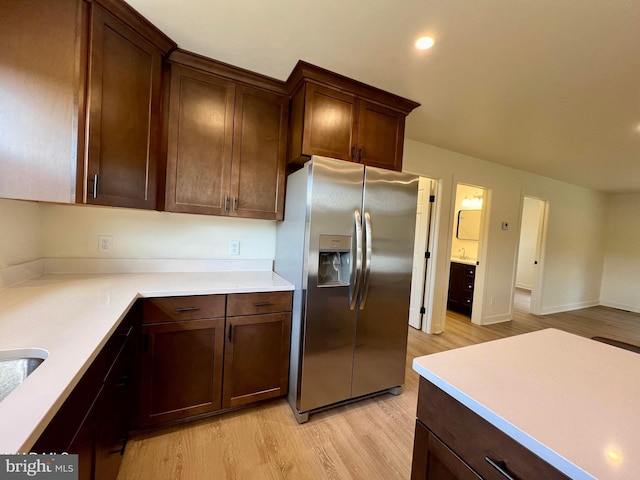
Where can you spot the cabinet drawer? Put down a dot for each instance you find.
(475, 440)
(257, 303)
(171, 309)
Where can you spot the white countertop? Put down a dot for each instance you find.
(573, 401)
(72, 316)
(465, 261)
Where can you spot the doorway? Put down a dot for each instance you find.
(528, 267)
(421, 280)
(465, 248)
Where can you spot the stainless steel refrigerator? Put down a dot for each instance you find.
(346, 243)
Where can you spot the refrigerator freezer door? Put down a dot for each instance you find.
(326, 360)
(390, 201)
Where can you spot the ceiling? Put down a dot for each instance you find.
(547, 86)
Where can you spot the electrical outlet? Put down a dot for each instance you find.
(234, 248)
(105, 243)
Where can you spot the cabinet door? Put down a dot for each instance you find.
(200, 136)
(83, 446)
(112, 418)
(256, 363)
(181, 370)
(329, 122)
(380, 136)
(455, 300)
(433, 460)
(123, 114)
(39, 99)
(259, 154)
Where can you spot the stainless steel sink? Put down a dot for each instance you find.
(16, 366)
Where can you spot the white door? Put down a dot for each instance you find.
(423, 223)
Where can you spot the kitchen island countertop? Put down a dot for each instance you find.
(571, 400)
(71, 316)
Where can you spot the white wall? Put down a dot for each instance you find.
(528, 243)
(21, 237)
(574, 252)
(72, 231)
(30, 230)
(621, 276)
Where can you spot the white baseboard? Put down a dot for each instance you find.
(503, 317)
(569, 307)
(622, 306)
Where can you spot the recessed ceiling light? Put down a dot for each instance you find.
(424, 43)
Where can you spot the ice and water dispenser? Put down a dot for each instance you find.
(334, 260)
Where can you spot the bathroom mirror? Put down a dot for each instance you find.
(468, 225)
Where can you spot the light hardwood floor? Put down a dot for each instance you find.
(371, 439)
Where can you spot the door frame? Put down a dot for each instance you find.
(535, 306)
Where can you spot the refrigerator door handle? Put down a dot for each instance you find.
(367, 260)
(356, 266)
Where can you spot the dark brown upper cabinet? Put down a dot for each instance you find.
(124, 114)
(337, 117)
(227, 133)
(200, 137)
(39, 98)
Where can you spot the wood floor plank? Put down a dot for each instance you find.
(368, 440)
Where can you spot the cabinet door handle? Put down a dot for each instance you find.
(94, 189)
(124, 333)
(500, 466)
(262, 304)
(360, 153)
(120, 450)
(226, 203)
(124, 381)
(353, 153)
(234, 207)
(187, 309)
(230, 333)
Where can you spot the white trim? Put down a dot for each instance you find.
(570, 307)
(503, 317)
(622, 306)
(21, 272)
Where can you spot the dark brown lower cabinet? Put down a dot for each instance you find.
(461, 286)
(94, 420)
(186, 340)
(433, 460)
(112, 421)
(181, 373)
(256, 363)
(454, 443)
